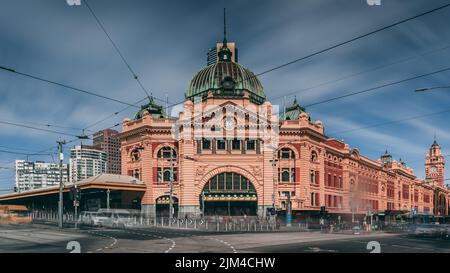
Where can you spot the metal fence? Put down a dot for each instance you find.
(211, 224)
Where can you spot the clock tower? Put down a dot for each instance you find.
(434, 164)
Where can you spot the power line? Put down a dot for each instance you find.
(378, 87)
(350, 41)
(35, 128)
(364, 71)
(116, 48)
(47, 125)
(17, 153)
(112, 115)
(339, 45)
(392, 122)
(65, 86)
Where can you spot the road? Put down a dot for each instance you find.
(49, 239)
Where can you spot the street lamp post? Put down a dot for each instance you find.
(61, 185)
(172, 159)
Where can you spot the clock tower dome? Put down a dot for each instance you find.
(434, 164)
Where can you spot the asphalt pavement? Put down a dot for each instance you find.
(47, 238)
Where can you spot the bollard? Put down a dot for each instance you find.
(267, 226)
(162, 221)
(248, 226)
(195, 223)
(186, 223)
(206, 225)
(217, 224)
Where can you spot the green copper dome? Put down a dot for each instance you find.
(213, 76)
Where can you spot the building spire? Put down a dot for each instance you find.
(224, 27)
(224, 53)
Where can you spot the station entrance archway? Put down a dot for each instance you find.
(229, 194)
(162, 206)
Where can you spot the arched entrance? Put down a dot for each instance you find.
(162, 206)
(229, 193)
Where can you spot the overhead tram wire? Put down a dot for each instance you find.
(116, 48)
(36, 128)
(111, 115)
(339, 44)
(350, 41)
(390, 122)
(363, 72)
(378, 87)
(65, 86)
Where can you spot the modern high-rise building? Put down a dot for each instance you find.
(212, 55)
(39, 174)
(107, 141)
(87, 161)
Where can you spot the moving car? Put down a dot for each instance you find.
(428, 230)
(93, 218)
(119, 220)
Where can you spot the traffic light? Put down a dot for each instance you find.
(75, 194)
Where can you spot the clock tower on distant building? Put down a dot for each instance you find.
(434, 164)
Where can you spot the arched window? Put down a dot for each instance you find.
(286, 153)
(167, 153)
(313, 156)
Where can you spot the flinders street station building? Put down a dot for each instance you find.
(231, 152)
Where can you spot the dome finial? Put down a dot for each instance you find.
(224, 27)
(225, 52)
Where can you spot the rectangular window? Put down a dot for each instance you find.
(250, 145)
(206, 144)
(221, 181)
(236, 144)
(317, 177)
(293, 175)
(236, 182)
(285, 175)
(229, 181)
(221, 144)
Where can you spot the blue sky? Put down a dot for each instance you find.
(166, 43)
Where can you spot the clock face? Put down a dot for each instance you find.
(229, 124)
(433, 169)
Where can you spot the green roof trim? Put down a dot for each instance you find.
(293, 112)
(155, 110)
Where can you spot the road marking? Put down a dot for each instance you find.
(158, 237)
